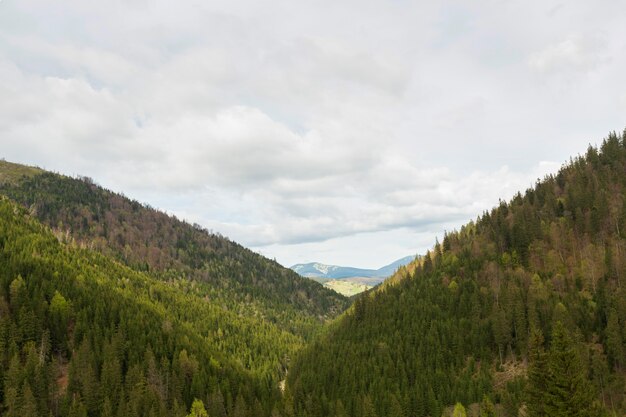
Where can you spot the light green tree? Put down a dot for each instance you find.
(197, 409)
(459, 411)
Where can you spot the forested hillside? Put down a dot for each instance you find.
(111, 308)
(119, 309)
(520, 313)
(172, 250)
(82, 335)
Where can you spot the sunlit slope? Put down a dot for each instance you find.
(13, 173)
(173, 250)
(81, 333)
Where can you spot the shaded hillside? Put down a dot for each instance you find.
(457, 329)
(149, 240)
(82, 335)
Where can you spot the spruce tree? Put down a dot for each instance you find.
(568, 393)
(459, 411)
(368, 407)
(29, 404)
(395, 408)
(537, 375)
(486, 408)
(615, 345)
(197, 409)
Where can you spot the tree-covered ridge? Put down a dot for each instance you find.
(82, 335)
(457, 329)
(149, 240)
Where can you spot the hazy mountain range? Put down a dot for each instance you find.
(320, 270)
(348, 280)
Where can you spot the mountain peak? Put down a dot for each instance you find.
(339, 278)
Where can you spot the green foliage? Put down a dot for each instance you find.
(197, 409)
(223, 321)
(459, 411)
(486, 408)
(186, 318)
(557, 381)
(148, 240)
(537, 376)
(567, 391)
(81, 335)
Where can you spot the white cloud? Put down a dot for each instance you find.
(316, 127)
(576, 54)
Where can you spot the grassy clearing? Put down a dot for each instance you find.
(11, 173)
(346, 288)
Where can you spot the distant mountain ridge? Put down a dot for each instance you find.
(320, 270)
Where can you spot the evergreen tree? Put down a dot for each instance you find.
(197, 409)
(568, 393)
(395, 408)
(11, 402)
(537, 375)
(614, 342)
(240, 409)
(29, 404)
(486, 408)
(77, 409)
(459, 411)
(368, 409)
(340, 411)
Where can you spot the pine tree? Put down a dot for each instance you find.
(395, 408)
(615, 346)
(107, 409)
(459, 411)
(537, 375)
(340, 411)
(486, 408)
(368, 407)
(29, 404)
(568, 393)
(197, 409)
(240, 409)
(77, 409)
(216, 406)
(11, 402)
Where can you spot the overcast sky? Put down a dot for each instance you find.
(345, 132)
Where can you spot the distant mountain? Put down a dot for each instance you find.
(347, 280)
(388, 270)
(319, 270)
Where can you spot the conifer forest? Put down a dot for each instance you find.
(109, 307)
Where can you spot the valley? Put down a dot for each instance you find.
(234, 208)
(349, 281)
(112, 308)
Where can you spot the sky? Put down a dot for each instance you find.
(345, 132)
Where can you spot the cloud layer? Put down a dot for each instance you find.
(310, 129)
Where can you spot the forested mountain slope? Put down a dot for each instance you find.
(82, 335)
(172, 250)
(536, 286)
